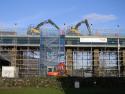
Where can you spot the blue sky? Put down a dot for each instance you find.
(101, 13)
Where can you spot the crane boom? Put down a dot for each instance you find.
(45, 22)
(36, 29)
(86, 23)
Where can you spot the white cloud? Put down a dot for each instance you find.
(100, 17)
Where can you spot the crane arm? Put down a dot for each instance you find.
(40, 24)
(52, 23)
(78, 24)
(86, 23)
(45, 22)
(36, 29)
(88, 27)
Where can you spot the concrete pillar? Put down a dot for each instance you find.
(69, 61)
(13, 56)
(96, 63)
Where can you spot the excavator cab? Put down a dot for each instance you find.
(58, 70)
(35, 30)
(51, 71)
(75, 31)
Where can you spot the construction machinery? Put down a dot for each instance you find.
(58, 70)
(75, 28)
(36, 29)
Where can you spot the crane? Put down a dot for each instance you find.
(75, 28)
(36, 29)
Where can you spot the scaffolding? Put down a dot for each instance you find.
(32, 54)
(83, 59)
(94, 59)
(21, 51)
(97, 63)
(51, 49)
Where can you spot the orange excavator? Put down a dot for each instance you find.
(58, 70)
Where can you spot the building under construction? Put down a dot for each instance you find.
(85, 55)
(20, 51)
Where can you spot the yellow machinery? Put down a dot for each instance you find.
(36, 29)
(75, 28)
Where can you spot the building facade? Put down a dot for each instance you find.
(83, 55)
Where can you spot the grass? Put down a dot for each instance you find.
(30, 91)
(85, 90)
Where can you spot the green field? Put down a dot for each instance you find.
(64, 91)
(30, 91)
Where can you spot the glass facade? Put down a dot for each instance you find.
(82, 59)
(95, 58)
(110, 41)
(19, 40)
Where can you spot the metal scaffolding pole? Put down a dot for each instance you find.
(118, 52)
(118, 58)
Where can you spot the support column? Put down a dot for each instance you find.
(20, 62)
(96, 63)
(69, 61)
(13, 56)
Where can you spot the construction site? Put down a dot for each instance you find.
(63, 51)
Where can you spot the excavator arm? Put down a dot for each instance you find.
(83, 22)
(36, 29)
(41, 24)
(52, 23)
